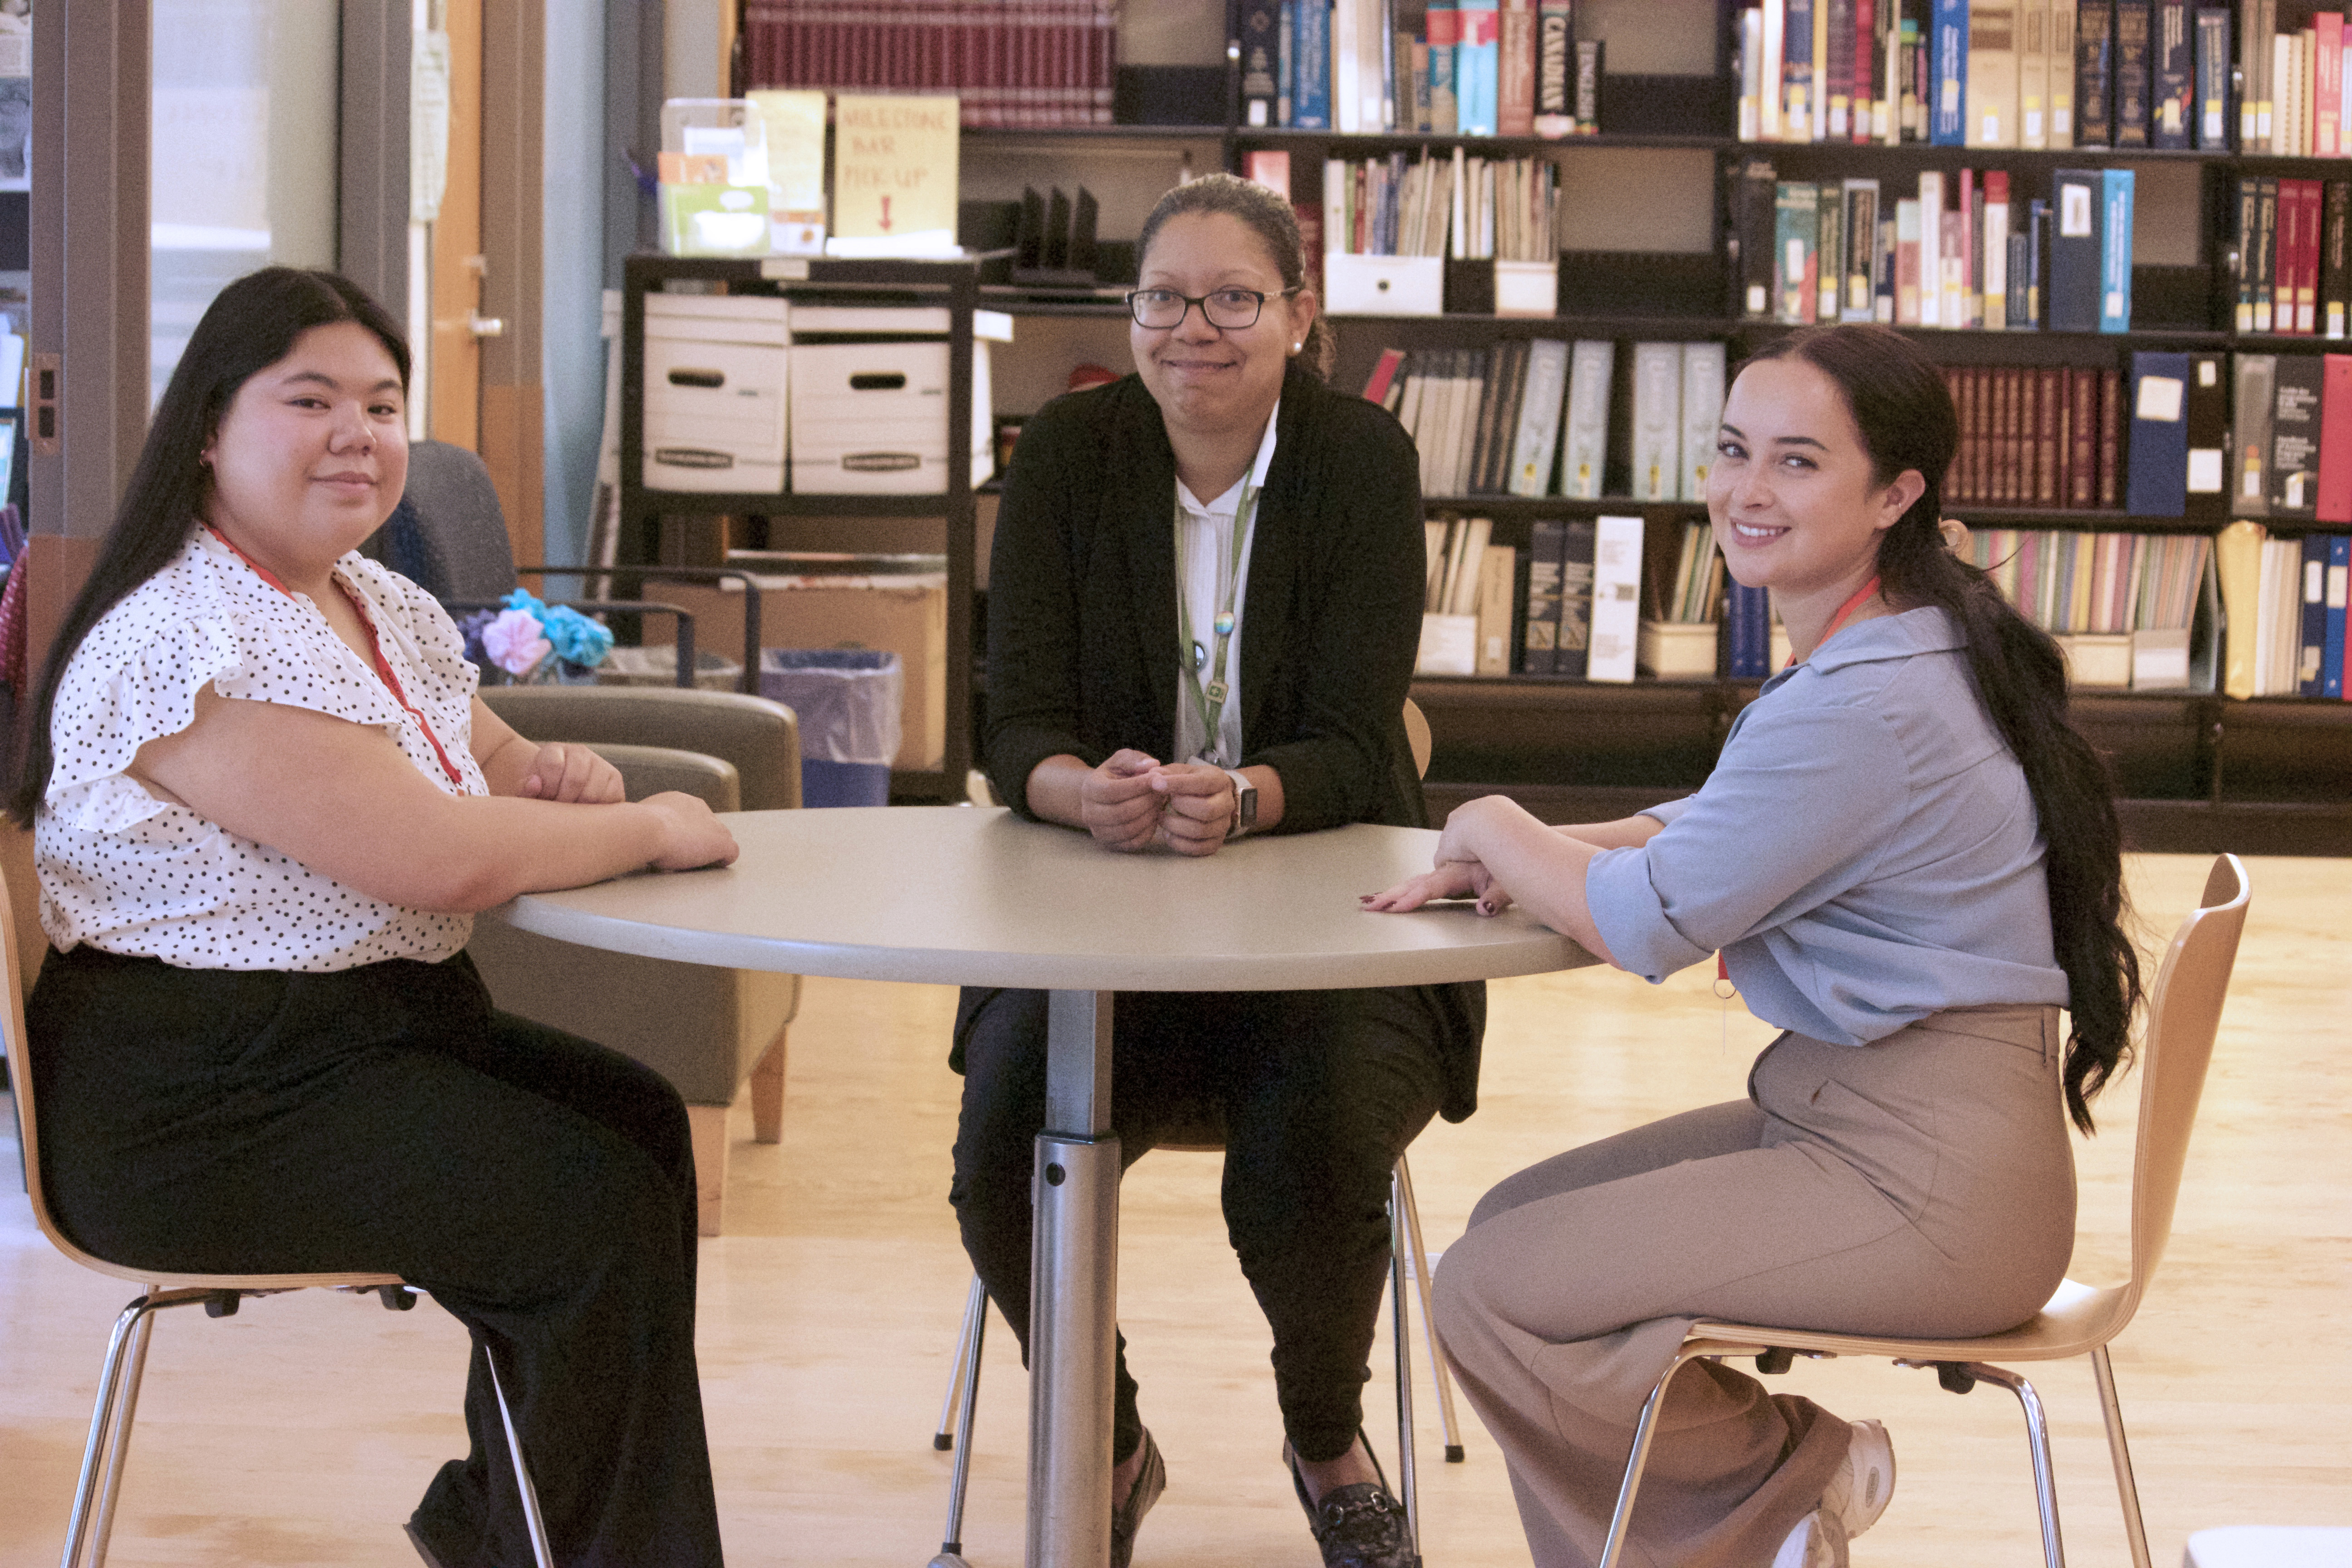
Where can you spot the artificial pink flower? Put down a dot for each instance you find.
(514, 642)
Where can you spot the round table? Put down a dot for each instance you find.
(952, 894)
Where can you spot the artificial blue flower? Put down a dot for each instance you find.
(578, 640)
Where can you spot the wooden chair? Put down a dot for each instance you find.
(2184, 1011)
(92, 1521)
(1407, 1259)
(711, 1032)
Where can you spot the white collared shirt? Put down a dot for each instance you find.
(129, 873)
(1205, 544)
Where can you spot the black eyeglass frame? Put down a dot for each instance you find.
(1135, 307)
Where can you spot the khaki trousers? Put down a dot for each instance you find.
(1922, 1185)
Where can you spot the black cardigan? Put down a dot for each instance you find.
(1082, 634)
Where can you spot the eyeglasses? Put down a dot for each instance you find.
(1227, 310)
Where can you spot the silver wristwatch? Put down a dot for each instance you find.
(1245, 803)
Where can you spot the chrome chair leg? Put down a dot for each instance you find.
(2111, 1407)
(532, 1519)
(975, 1308)
(117, 1446)
(1438, 1372)
(2037, 1439)
(1621, 1523)
(1400, 1297)
(126, 1339)
(975, 1334)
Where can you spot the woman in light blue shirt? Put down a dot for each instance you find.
(1909, 861)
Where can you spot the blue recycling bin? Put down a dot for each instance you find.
(848, 702)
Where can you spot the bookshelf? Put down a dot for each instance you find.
(643, 513)
(2197, 771)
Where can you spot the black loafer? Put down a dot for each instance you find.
(1358, 1526)
(1125, 1516)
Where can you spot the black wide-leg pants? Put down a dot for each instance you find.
(1317, 1093)
(387, 1119)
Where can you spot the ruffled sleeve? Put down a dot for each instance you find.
(120, 692)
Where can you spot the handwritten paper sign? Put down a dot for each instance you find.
(893, 175)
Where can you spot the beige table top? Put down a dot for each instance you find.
(953, 895)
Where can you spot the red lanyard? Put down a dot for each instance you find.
(1837, 622)
(376, 645)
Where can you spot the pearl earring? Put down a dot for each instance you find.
(1296, 347)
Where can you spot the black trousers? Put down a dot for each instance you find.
(385, 1118)
(1317, 1092)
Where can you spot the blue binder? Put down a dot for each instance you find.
(2157, 478)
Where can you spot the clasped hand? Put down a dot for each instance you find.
(1132, 802)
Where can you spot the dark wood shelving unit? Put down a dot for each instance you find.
(952, 284)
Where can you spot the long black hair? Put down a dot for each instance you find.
(1276, 227)
(1903, 411)
(252, 325)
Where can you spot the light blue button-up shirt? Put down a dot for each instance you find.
(1864, 853)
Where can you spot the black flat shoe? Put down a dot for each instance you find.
(1149, 1482)
(1358, 1526)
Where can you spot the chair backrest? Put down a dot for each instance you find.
(652, 770)
(2184, 1013)
(1416, 734)
(760, 737)
(449, 534)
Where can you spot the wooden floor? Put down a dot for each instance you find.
(302, 1430)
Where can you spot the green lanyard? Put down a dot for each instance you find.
(1209, 698)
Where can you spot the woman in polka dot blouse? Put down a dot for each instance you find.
(266, 804)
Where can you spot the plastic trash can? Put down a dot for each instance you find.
(848, 702)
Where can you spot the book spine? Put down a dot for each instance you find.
(1867, 58)
(1444, 111)
(2111, 436)
(2083, 439)
(1616, 614)
(1478, 66)
(2062, 24)
(1515, 102)
(2049, 413)
(1592, 72)
(1555, 48)
(1546, 546)
(1931, 250)
(2333, 502)
(1907, 260)
(2033, 75)
(1837, 71)
(2094, 73)
(2132, 61)
(1772, 91)
(1948, 119)
(2295, 435)
(2334, 257)
(2327, 86)
(2156, 485)
(1994, 248)
(1829, 250)
(2173, 108)
(2115, 252)
(1572, 642)
(2260, 261)
(2333, 654)
(2311, 583)
(1860, 226)
(1261, 57)
(2307, 258)
(1703, 368)
(2213, 79)
(1992, 85)
(1312, 111)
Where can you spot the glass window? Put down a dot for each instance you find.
(244, 155)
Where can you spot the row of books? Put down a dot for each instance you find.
(2101, 583)
(1014, 63)
(1991, 73)
(2289, 258)
(2285, 604)
(1530, 416)
(1568, 605)
(1436, 206)
(2290, 426)
(2037, 435)
(1474, 68)
(1964, 253)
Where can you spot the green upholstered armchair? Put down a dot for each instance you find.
(707, 1030)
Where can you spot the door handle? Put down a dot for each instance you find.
(483, 326)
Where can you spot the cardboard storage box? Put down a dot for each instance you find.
(1677, 650)
(904, 614)
(1383, 285)
(871, 418)
(714, 393)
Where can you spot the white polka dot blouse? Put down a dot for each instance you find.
(131, 874)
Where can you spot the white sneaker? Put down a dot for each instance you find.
(1857, 1494)
(1818, 1541)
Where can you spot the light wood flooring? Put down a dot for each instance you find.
(302, 1430)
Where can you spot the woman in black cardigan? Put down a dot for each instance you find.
(1219, 560)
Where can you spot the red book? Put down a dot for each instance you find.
(1515, 93)
(2306, 284)
(2327, 66)
(2049, 400)
(2286, 257)
(1376, 389)
(2083, 447)
(1866, 69)
(2111, 436)
(2334, 502)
